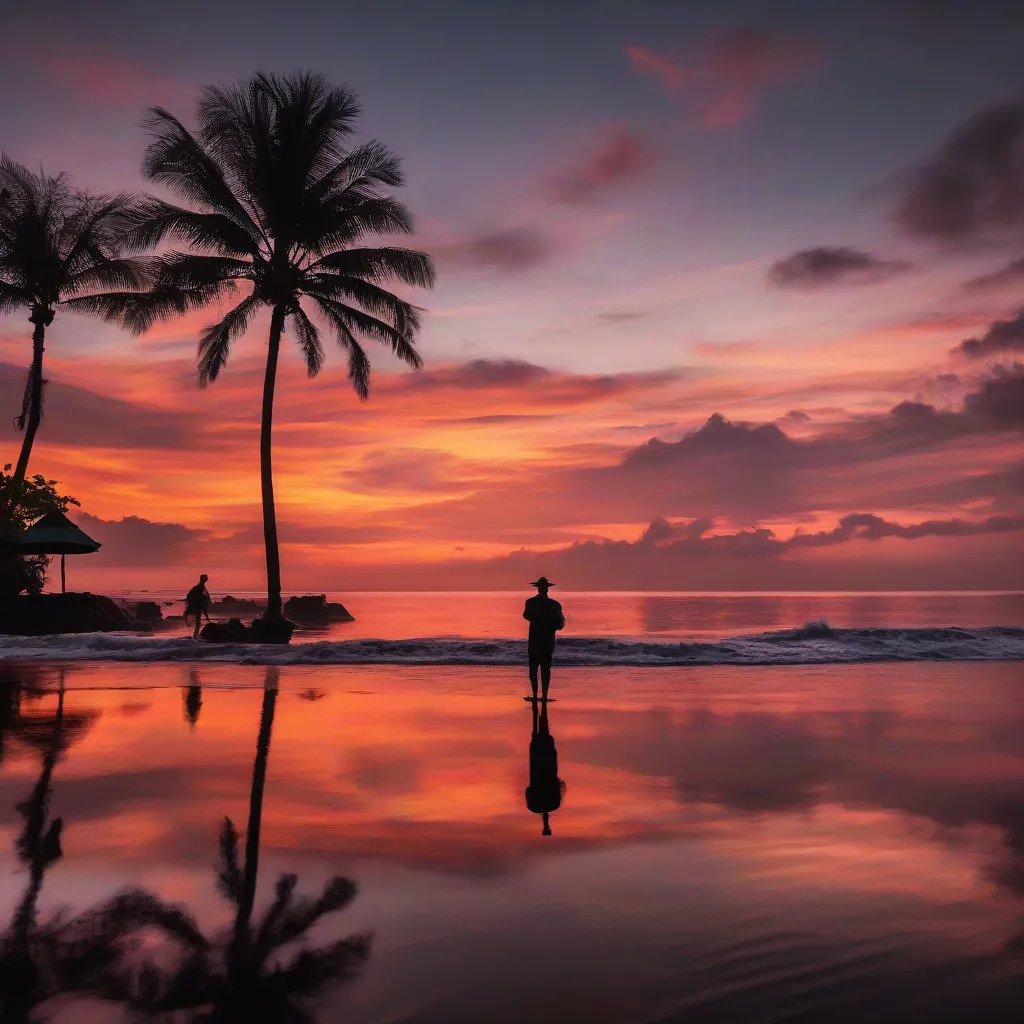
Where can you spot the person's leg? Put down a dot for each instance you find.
(533, 673)
(545, 675)
(198, 626)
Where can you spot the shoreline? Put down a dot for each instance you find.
(813, 644)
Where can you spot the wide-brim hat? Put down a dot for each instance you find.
(543, 581)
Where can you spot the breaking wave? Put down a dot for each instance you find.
(815, 643)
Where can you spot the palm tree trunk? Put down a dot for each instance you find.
(266, 468)
(252, 832)
(35, 397)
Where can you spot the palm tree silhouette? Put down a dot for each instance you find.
(242, 974)
(35, 962)
(57, 245)
(278, 202)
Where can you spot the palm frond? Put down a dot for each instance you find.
(306, 334)
(358, 361)
(186, 270)
(110, 275)
(358, 321)
(216, 232)
(139, 311)
(131, 910)
(381, 264)
(313, 969)
(342, 224)
(403, 316)
(266, 933)
(12, 297)
(215, 341)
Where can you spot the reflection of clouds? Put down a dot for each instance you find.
(959, 775)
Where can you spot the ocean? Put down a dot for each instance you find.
(453, 628)
(769, 842)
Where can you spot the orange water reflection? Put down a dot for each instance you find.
(841, 823)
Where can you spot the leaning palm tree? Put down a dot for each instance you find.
(280, 203)
(57, 245)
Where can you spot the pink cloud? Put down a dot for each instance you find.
(725, 79)
(620, 156)
(103, 78)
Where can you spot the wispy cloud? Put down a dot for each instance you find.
(725, 78)
(620, 156)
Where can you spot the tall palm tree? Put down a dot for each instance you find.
(57, 245)
(244, 974)
(278, 202)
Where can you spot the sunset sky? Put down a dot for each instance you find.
(729, 298)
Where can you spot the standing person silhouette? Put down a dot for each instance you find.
(545, 617)
(197, 604)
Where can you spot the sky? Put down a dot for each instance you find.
(729, 298)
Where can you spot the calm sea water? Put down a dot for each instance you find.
(637, 615)
(836, 843)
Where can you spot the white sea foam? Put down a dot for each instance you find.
(813, 644)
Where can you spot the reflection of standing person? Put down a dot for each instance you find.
(197, 604)
(545, 791)
(545, 617)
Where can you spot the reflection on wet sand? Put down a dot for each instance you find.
(739, 845)
(545, 791)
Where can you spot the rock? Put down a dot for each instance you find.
(315, 609)
(270, 631)
(148, 612)
(234, 631)
(48, 614)
(261, 631)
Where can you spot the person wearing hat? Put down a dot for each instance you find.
(197, 604)
(545, 617)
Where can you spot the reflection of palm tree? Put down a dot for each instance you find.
(545, 791)
(34, 963)
(192, 698)
(242, 976)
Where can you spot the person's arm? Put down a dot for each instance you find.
(526, 612)
(561, 619)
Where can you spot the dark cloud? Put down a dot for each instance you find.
(478, 373)
(832, 265)
(999, 403)
(542, 385)
(507, 250)
(1003, 336)
(133, 541)
(622, 316)
(1010, 275)
(79, 417)
(621, 156)
(970, 188)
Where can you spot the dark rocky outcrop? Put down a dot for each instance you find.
(316, 609)
(232, 631)
(47, 614)
(148, 612)
(261, 631)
